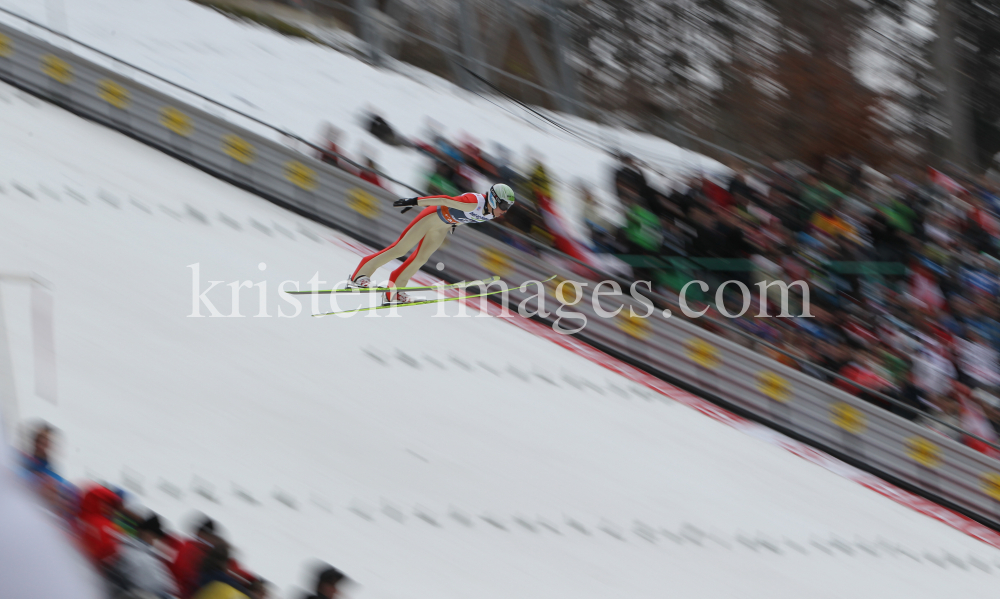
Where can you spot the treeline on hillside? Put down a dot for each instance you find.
(896, 83)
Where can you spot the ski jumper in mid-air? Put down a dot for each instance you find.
(428, 231)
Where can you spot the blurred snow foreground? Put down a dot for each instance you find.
(425, 457)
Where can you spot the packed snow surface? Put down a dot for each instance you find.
(427, 457)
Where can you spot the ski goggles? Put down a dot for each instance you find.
(496, 202)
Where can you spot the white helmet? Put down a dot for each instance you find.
(500, 195)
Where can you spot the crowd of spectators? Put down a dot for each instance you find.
(130, 547)
(902, 273)
(902, 270)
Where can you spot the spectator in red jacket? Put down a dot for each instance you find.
(330, 152)
(187, 563)
(864, 372)
(98, 532)
(369, 174)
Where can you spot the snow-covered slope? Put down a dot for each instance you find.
(427, 457)
(298, 85)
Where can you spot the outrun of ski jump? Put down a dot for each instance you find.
(178, 178)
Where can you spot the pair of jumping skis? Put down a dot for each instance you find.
(461, 285)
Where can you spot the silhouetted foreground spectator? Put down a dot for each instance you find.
(329, 581)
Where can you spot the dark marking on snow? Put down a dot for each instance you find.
(572, 381)
(487, 368)
(644, 532)
(361, 514)
(321, 504)
(461, 518)
(821, 547)
(494, 522)
(170, 489)
(231, 222)
(752, 544)
(434, 361)
(371, 353)
(842, 546)
(109, 199)
(309, 234)
(132, 481)
(956, 560)
(618, 390)
(407, 359)
(171, 212)
(52, 194)
(261, 227)
(611, 530)
(692, 533)
(283, 231)
(518, 373)
(29, 100)
(204, 488)
(465, 365)
(23, 189)
(76, 195)
(418, 456)
(285, 498)
(546, 379)
(796, 546)
(525, 524)
(669, 534)
(640, 392)
(244, 495)
(934, 560)
(915, 558)
(140, 205)
(580, 527)
(550, 527)
(977, 563)
(887, 547)
(426, 517)
(393, 512)
(196, 214)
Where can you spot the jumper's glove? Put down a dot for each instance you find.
(408, 202)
